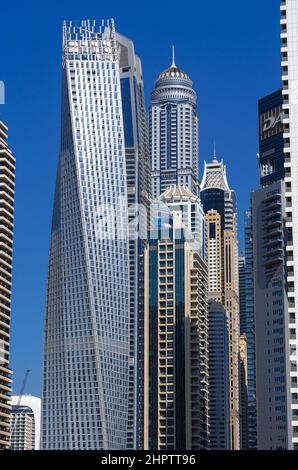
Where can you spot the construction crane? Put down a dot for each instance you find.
(21, 396)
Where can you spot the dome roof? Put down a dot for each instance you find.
(173, 71)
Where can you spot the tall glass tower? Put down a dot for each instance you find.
(86, 349)
(137, 158)
(176, 338)
(173, 132)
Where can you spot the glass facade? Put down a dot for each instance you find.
(248, 328)
(86, 348)
(219, 377)
(271, 157)
(138, 196)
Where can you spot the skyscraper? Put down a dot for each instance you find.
(219, 387)
(269, 236)
(243, 393)
(7, 180)
(243, 374)
(289, 51)
(247, 326)
(176, 341)
(242, 293)
(86, 349)
(173, 132)
(219, 203)
(25, 423)
(138, 193)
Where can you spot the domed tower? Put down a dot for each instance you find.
(173, 132)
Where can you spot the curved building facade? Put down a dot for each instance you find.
(173, 132)
(86, 349)
(25, 422)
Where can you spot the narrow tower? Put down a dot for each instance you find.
(137, 159)
(219, 203)
(173, 132)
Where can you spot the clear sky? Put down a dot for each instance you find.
(229, 48)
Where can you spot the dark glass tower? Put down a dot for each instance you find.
(248, 328)
(138, 196)
(219, 377)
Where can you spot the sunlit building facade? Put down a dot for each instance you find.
(25, 423)
(173, 131)
(86, 347)
(289, 51)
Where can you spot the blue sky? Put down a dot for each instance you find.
(230, 50)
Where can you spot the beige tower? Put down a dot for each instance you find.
(219, 203)
(214, 254)
(7, 179)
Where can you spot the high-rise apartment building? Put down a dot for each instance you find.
(289, 51)
(269, 236)
(25, 423)
(247, 327)
(214, 254)
(243, 377)
(242, 293)
(138, 173)
(173, 132)
(7, 181)
(219, 203)
(243, 373)
(86, 349)
(176, 340)
(219, 387)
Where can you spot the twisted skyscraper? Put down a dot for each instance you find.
(86, 351)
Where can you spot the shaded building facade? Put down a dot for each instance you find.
(138, 175)
(219, 388)
(270, 234)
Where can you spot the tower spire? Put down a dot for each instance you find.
(214, 153)
(173, 56)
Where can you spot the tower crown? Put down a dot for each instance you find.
(173, 72)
